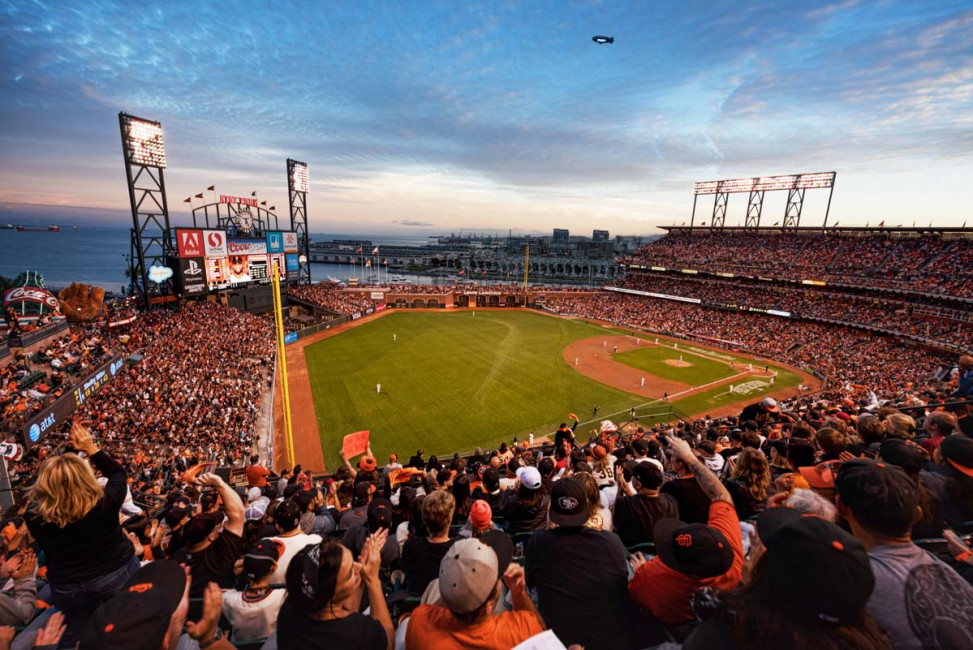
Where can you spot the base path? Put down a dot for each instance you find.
(595, 360)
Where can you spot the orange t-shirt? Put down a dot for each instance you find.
(432, 626)
(666, 592)
(257, 476)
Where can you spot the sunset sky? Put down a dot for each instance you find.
(434, 117)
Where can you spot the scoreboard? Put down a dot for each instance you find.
(210, 260)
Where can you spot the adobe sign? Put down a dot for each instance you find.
(190, 243)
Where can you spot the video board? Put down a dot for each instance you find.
(210, 260)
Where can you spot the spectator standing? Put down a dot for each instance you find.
(324, 589)
(692, 501)
(211, 553)
(527, 511)
(421, 555)
(256, 473)
(690, 556)
(635, 516)
(75, 523)
(252, 613)
(580, 576)
(750, 484)
(287, 519)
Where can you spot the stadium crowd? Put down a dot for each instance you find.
(331, 296)
(925, 264)
(707, 534)
(879, 312)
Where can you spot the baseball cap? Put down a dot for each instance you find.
(360, 497)
(259, 560)
(200, 526)
(304, 498)
(692, 549)
(546, 465)
(138, 616)
(176, 515)
(599, 452)
(898, 452)
(287, 516)
(467, 575)
(529, 477)
(801, 547)
(569, 503)
(769, 404)
(958, 452)
(881, 496)
(481, 514)
(253, 494)
(820, 476)
(772, 520)
(367, 463)
(648, 474)
(491, 479)
(256, 511)
(379, 514)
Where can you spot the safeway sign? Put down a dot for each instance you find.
(215, 243)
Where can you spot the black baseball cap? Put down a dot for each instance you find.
(259, 559)
(824, 572)
(360, 496)
(200, 526)
(304, 498)
(176, 515)
(379, 514)
(491, 479)
(882, 497)
(569, 503)
(287, 516)
(898, 452)
(138, 616)
(772, 520)
(692, 549)
(958, 452)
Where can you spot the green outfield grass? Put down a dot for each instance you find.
(452, 381)
(652, 360)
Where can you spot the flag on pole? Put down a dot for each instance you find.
(272, 208)
(368, 263)
(211, 188)
(253, 193)
(263, 203)
(188, 200)
(358, 250)
(881, 223)
(199, 196)
(461, 272)
(375, 251)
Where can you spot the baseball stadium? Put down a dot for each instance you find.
(741, 437)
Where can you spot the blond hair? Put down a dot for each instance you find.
(901, 426)
(66, 490)
(437, 512)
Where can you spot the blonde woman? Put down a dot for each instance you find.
(601, 517)
(900, 425)
(75, 522)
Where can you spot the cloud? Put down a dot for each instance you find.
(410, 222)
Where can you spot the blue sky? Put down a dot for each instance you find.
(447, 116)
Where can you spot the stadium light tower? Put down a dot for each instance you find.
(297, 185)
(144, 150)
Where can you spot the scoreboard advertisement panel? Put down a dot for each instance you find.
(209, 260)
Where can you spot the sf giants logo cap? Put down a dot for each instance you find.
(685, 540)
(190, 243)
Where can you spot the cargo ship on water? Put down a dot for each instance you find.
(50, 228)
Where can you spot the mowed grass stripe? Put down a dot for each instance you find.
(451, 381)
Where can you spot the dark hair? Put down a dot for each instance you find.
(329, 564)
(884, 503)
(764, 620)
(462, 494)
(800, 453)
(751, 439)
(959, 490)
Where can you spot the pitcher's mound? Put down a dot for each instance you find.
(677, 363)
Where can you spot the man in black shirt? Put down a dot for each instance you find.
(693, 502)
(421, 555)
(564, 434)
(210, 553)
(635, 516)
(581, 577)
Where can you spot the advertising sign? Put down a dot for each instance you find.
(292, 266)
(189, 242)
(275, 242)
(214, 242)
(193, 274)
(36, 428)
(246, 247)
(30, 294)
(290, 242)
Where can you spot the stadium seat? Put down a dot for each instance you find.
(645, 548)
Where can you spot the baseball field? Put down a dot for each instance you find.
(450, 381)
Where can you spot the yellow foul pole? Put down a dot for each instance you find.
(526, 267)
(282, 359)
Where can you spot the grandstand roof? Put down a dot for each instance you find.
(917, 230)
